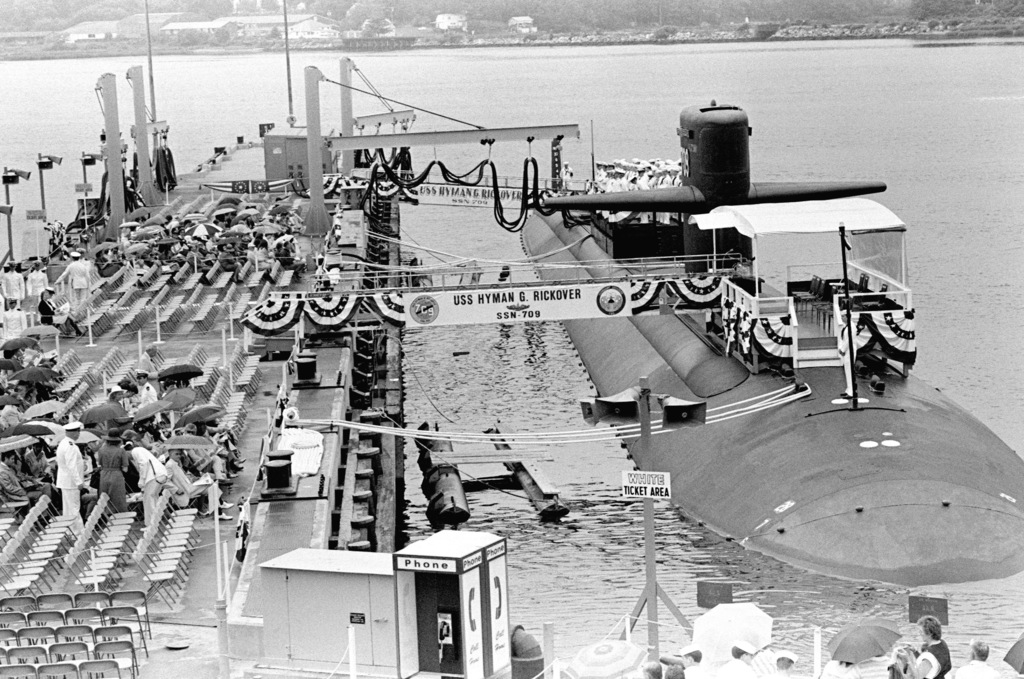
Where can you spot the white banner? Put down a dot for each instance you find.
(516, 304)
(467, 196)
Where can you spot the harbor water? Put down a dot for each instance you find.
(938, 124)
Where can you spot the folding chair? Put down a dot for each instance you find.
(59, 670)
(27, 655)
(18, 603)
(71, 633)
(112, 614)
(18, 671)
(8, 638)
(121, 651)
(69, 651)
(99, 669)
(84, 616)
(137, 600)
(89, 599)
(44, 618)
(12, 620)
(56, 600)
(36, 636)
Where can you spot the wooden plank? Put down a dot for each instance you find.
(540, 478)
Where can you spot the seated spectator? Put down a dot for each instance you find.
(12, 493)
(186, 491)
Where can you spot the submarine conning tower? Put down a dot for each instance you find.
(715, 152)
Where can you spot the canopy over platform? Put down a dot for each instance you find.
(817, 216)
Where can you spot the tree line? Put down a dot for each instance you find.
(557, 16)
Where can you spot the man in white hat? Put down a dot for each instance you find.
(77, 278)
(689, 658)
(13, 284)
(784, 661)
(147, 392)
(739, 667)
(71, 475)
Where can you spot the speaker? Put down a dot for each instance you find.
(618, 409)
(587, 406)
(676, 412)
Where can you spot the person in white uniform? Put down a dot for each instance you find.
(77, 278)
(739, 667)
(71, 475)
(977, 668)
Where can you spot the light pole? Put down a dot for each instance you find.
(45, 163)
(11, 176)
(629, 408)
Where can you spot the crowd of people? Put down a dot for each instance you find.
(132, 455)
(930, 659)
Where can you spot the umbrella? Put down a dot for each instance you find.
(180, 398)
(103, 247)
(150, 409)
(279, 210)
(28, 429)
(1015, 656)
(147, 232)
(19, 343)
(716, 631)
(203, 230)
(203, 413)
(54, 434)
(137, 249)
(8, 400)
(283, 239)
(139, 212)
(266, 229)
(35, 374)
(104, 412)
(40, 331)
(9, 364)
(128, 225)
(16, 442)
(249, 211)
(860, 641)
(189, 442)
(155, 220)
(181, 371)
(87, 437)
(43, 409)
(606, 660)
(226, 210)
(165, 241)
(240, 229)
(194, 217)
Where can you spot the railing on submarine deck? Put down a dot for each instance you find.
(502, 275)
(756, 308)
(879, 285)
(511, 182)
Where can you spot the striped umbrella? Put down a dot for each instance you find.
(16, 442)
(204, 230)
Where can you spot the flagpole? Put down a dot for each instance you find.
(849, 317)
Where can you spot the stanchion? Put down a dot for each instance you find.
(231, 322)
(140, 346)
(817, 652)
(89, 319)
(158, 340)
(549, 648)
(227, 566)
(224, 347)
(221, 606)
(352, 652)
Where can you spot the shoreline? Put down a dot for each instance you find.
(1012, 31)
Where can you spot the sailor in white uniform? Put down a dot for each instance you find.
(71, 475)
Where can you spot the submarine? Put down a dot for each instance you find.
(815, 442)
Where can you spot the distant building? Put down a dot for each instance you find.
(24, 37)
(263, 25)
(521, 25)
(134, 26)
(207, 27)
(90, 31)
(315, 28)
(377, 28)
(451, 22)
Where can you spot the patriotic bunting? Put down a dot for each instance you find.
(332, 311)
(690, 292)
(387, 306)
(275, 315)
(890, 331)
(250, 185)
(773, 336)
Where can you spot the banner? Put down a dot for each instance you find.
(468, 196)
(690, 292)
(249, 185)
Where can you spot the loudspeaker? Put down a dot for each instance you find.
(587, 406)
(618, 409)
(676, 412)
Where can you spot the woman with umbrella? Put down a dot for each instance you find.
(113, 461)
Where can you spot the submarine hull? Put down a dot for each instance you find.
(909, 489)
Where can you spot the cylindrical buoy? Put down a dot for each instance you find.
(527, 655)
(448, 505)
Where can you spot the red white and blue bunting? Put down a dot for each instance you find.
(691, 292)
(773, 336)
(332, 311)
(275, 315)
(388, 306)
(892, 332)
(250, 185)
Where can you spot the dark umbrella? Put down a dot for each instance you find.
(27, 429)
(102, 247)
(18, 343)
(1015, 656)
(103, 413)
(203, 413)
(860, 641)
(165, 241)
(150, 409)
(8, 364)
(40, 331)
(182, 371)
(180, 398)
(278, 210)
(139, 212)
(156, 220)
(35, 374)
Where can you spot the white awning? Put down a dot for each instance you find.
(814, 216)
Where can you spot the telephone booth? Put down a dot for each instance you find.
(453, 606)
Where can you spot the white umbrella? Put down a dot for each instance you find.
(610, 659)
(716, 631)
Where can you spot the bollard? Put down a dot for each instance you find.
(158, 340)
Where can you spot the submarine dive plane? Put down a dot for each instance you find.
(852, 468)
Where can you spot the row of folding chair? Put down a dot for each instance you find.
(111, 360)
(89, 624)
(70, 661)
(68, 362)
(78, 645)
(206, 314)
(18, 571)
(165, 549)
(81, 374)
(78, 608)
(99, 562)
